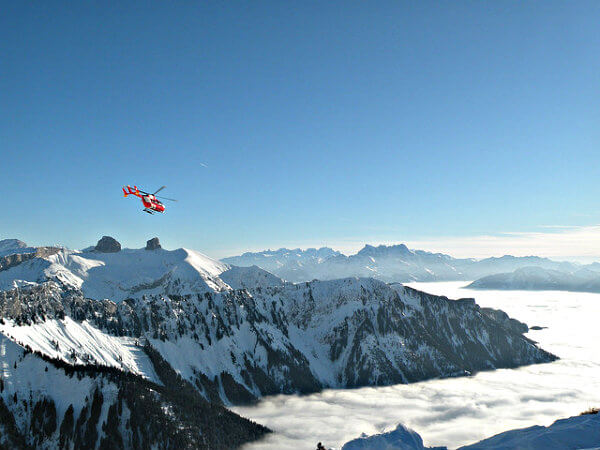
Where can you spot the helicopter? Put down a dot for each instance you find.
(150, 201)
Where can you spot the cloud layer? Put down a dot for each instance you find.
(459, 411)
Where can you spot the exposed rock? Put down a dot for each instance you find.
(153, 244)
(15, 259)
(108, 245)
(503, 318)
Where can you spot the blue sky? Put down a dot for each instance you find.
(301, 123)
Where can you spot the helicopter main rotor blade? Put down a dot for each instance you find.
(159, 189)
(165, 198)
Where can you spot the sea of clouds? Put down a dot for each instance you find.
(459, 411)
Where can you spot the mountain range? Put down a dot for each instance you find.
(396, 263)
(92, 339)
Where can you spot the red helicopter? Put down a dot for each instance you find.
(150, 201)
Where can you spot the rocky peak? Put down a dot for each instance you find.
(108, 245)
(153, 244)
(385, 250)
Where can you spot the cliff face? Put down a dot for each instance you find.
(13, 260)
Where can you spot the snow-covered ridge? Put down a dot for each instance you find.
(538, 278)
(81, 343)
(127, 273)
(283, 259)
(237, 345)
(578, 432)
(44, 406)
(249, 278)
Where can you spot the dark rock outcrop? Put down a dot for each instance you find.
(108, 245)
(153, 244)
(15, 259)
(503, 318)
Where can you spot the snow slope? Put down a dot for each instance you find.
(82, 343)
(26, 376)
(579, 432)
(106, 410)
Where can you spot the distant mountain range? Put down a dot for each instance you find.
(538, 278)
(396, 263)
(177, 334)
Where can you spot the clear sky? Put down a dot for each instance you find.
(302, 123)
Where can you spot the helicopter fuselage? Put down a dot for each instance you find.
(151, 202)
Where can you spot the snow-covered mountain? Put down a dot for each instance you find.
(272, 260)
(290, 264)
(249, 278)
(579, 432)
(127, 273)
(47, 404)
(236, 334)
(401, 438)
(538, 278)
(396, 263)
(254, 336)
(9, 246)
